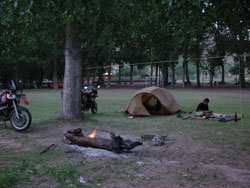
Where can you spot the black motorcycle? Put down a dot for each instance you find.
(89, 95)
(10, 110)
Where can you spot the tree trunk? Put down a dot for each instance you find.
(131, 74)
(166, 75)
(100, 77)
(151, 74)
(120, 74)
(183, 72)
(198, 73)
(172, 75)
(41, 75)
(185, 61)
(222, 73)
(55, 79)
(109, 77)
(187, 72)
(88, 76)
(197, 63)
(156, 73)
(242, 71)
(72, 75)
(211, 77)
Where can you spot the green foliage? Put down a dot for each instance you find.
(7, 179)
(63, 172)
(32, 33)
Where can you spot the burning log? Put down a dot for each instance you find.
(116, 144)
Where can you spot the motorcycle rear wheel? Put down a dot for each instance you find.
(24, 121)
(94, 108)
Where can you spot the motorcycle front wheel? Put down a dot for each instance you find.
(94, 108)
(24, 121)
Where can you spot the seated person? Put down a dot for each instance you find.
(203, 106)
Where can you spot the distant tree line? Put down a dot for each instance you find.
(61, 38)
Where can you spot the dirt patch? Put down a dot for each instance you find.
(180, 162)
(90, 153)
(233, 174)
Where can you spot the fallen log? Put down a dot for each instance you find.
(115, 144)
(100, 143)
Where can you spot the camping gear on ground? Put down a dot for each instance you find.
(152, 100)
(10, 110)
(214, 116)
(158, 140)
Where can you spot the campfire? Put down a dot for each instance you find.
(92, 135)
(116, 144)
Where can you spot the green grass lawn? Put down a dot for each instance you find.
(20, 163)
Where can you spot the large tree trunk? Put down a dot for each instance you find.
(55, 79)
(151, 74)
(131, 74)
(72, 75)
(172, 75)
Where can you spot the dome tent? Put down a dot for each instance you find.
(152, 100)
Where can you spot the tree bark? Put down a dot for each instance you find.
(242, 71)
(222, 73)
(166, 75)
(72, 75)
(156, 73)
(183, 72)
(197, 63)
(131, 74)
(211, 77)
(187, 72)
(55, 78)
(185, 61)
(172, 75)
(151, 74)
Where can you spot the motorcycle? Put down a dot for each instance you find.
(10, 110)
(89, 95)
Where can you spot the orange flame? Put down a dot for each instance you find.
(92, 135)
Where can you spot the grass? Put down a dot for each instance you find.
(19, 167)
